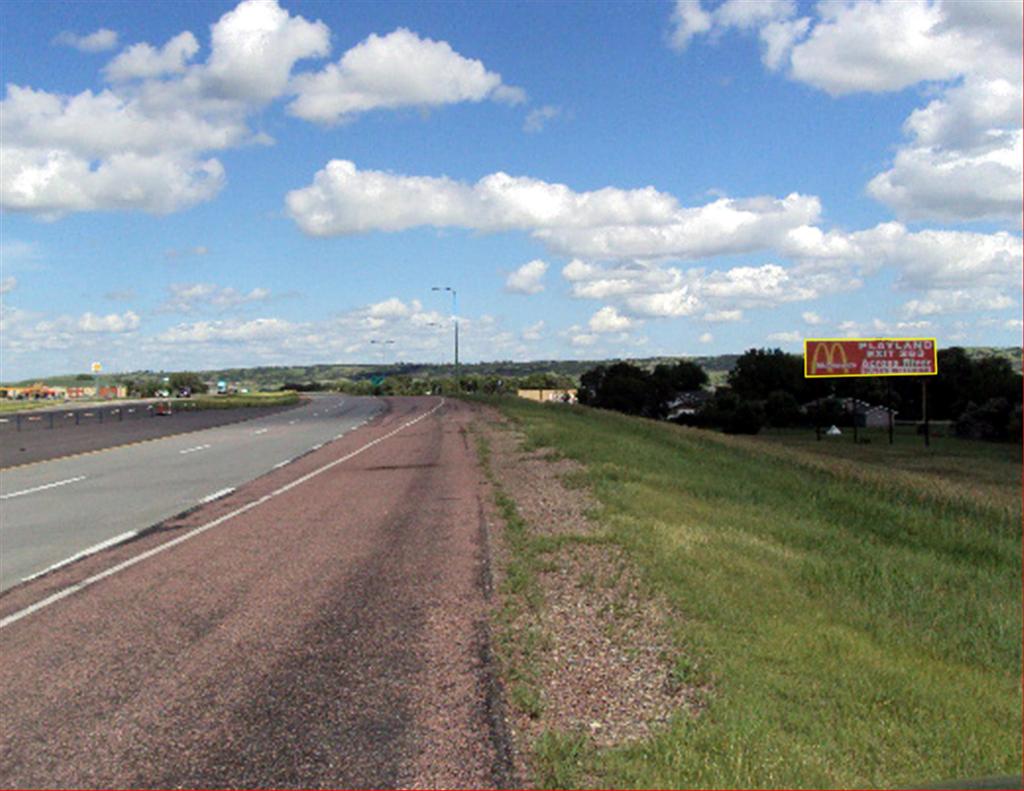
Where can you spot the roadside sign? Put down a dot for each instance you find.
(376, 381)
(96, 368)
(844, 357)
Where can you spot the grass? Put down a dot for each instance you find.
(860, 622)
(238, 401)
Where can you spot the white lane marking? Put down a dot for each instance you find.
(317, 447)
(4, 420)
(261, 431)
(193, 450)
(41, 488)
(84, 553)
(292, 422)
(217, 495)
(280, 464)
(62, 594)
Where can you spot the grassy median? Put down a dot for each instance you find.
(858, 620)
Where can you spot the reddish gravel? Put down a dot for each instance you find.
(334, 636)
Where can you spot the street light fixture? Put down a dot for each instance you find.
(383, 344)
(455, 321)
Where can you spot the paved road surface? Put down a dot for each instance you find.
(334, 635)
(53, 510)
(84, 429)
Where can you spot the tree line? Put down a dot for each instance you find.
(980, 396)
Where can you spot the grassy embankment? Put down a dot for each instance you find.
(237, 401)
(859, 622)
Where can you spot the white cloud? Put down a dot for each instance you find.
(688, 20)
(112, 322)
(229, 330)
(143, 61)
(793, 336)
(538, 118)
(608, 223)
(940, 302)
(188, 297)
(534, 332)
(812, 318)
(723, 315)
(393, 308)
(255, 46)
(143, 143)
(98, 41)
(8, 284)
(397, 70)
(608, 319)
(1013, 324)
(527, 279)
(963, 161)
(706, 337)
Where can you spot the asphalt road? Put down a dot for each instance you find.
(29, 437)
(322, 627)
(53, 510)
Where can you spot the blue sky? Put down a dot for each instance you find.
(196, 185)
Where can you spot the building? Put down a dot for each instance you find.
(865, 415)
(549, 394)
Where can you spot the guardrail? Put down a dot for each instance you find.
(60, 418)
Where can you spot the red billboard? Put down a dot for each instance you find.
(870, 357)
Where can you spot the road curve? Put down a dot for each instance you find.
(333, 635)
(55, 510)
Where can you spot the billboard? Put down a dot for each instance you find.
(829, 357)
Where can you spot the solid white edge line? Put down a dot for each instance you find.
(83, 554)
(280, 464)
(217, 495)
(41, 488)
(39, 605)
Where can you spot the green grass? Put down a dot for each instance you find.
(860, 623)
(237, 401)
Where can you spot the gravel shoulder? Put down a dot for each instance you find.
(585, 652)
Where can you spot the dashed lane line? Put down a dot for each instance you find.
(41, 488)
(89, 581)
(195, 449)
(218, 494)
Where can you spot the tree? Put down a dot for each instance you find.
(186, 380)
(760, 372)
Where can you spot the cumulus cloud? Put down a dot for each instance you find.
(400, 69)
(8, 284)
(608, 319)
(538, 117)
(143, 61)
(963, 159)
(812, 318)
(98, 41)
(534, 332)
(790, 336)
(144, 142)
(188, 297)
(112, 322)
(229, 330)
(609, 223)
(527, 279)
(706, 337)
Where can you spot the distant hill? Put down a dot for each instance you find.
(270, 377)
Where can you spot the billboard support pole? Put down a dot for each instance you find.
(888, 405)
(924, 411)
(853, 403)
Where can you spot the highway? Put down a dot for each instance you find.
(53, 511)
(323, 626)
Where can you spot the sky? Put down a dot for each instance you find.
(211, 184)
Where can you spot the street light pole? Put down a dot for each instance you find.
(455, 321)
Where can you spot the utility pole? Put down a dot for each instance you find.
(455, 321)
